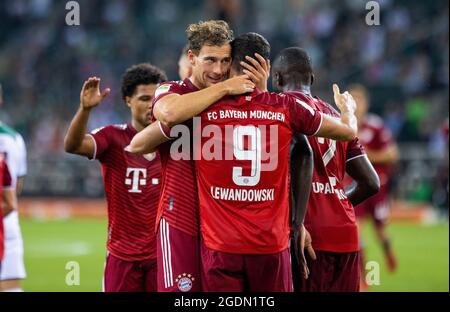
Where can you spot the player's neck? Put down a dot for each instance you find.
(298, 87)
(137, 125)
(196, 83)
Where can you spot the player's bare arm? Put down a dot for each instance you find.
(386, 156)
(366, 182)
(258, 70)
(20, 184)
(302, 165)
(9, 201)
(344, 128)
(147, 140)
(174, 109)
(76, 140)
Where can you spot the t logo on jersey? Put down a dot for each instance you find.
(134, 179)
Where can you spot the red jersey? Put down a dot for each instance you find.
(132, 187)
(373, 135)
(243, 174)
(179, 197)
(330, 217)
(5, 182)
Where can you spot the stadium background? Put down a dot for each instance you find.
(404, 61)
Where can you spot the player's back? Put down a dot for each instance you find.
(243, 175)
(330, 217)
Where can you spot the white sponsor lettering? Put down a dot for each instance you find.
(328, 188)
(246, 195)
(258, 114)
(134, 179)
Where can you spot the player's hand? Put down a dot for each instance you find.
(308, 245)
(258, 69)
(239, 85)
(90, 95)
(303, 241)
(344, 101)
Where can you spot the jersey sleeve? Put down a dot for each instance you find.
(102, 141)
(354, 150)
(22, 157)
(303, 117)
(7, 180)
(166, 88)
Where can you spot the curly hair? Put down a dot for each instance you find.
(213, 33)
(144, 73)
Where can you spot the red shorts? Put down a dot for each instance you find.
(228, 272)
(331, 272)
(178, 260)
(376, 207)
(127, 276)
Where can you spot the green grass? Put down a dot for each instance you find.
(49, 246)
(423, 253)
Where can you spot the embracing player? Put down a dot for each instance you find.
(132, 182)
(243, 179)
(330, 218)
(177, 102)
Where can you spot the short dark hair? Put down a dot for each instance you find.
(294, 64)
(144, 73)
(248, 44)
(212, 33)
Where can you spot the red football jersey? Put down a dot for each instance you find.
(373, 135)
(132, 188)
(179, 197)
(5, 182)
(243, 174)
(330, 218)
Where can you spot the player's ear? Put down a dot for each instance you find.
(191, 57)
(128, 101)
(312, 79)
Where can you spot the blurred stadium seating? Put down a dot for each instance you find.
(404, 62)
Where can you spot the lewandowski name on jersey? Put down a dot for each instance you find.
(243, 142)
(246, 195)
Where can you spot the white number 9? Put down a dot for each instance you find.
(253, 154)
